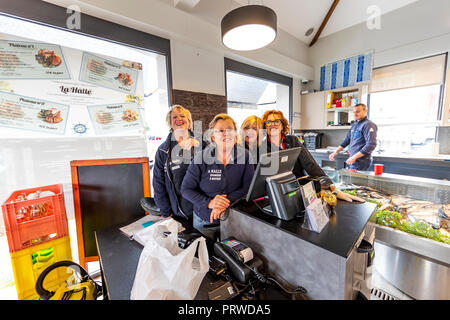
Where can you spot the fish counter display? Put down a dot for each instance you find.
(412, 229)
(422, 218)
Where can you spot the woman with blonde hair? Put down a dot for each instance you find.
(278, 138)
(250, 136)
(171, 162)
(218, 176)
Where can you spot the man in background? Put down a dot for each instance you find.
(362, 139)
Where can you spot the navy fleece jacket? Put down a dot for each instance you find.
(206, 177)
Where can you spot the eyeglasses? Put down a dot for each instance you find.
(269, 122)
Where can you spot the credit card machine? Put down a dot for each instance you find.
(285, 196)
(238, 256)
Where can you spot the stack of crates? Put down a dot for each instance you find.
(38, 236)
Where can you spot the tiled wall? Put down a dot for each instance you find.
(203, 106)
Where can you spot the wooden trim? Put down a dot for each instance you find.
(146, 176)
(74, 164)
(103, 162)
(77, 207)
(324, 22)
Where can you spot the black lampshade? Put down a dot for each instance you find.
(249, 27)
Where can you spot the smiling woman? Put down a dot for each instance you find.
(218, 177)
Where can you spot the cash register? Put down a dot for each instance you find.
(274, 177)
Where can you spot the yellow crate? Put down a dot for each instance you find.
(29, 263)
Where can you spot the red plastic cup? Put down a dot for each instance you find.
(378, 169)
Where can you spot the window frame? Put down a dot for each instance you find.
(50, 15)
(440, 108)
(255, 72)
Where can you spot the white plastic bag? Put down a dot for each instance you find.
(167, 272)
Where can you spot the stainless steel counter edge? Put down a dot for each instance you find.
(430, 249)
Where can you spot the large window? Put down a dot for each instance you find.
(405, 103)
(252, 91)
(73, 95)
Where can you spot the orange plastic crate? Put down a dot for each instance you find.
(32, 222)
(29, 263)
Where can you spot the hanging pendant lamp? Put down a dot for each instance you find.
(249, 27)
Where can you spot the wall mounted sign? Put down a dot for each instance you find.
(31, 60)
(108, 73)
(23, 112)
(346, 72)
(111, 118)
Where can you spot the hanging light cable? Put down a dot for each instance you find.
(249, 27)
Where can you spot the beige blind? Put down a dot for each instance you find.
(422, 72)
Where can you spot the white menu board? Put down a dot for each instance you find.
(23, 112)
(108, 73)
(117, 117)
(31, 60)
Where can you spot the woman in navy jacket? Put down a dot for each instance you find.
(171, 162)
(218, 176)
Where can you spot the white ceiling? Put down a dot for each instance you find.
(297, 16)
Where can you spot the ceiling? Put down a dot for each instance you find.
(295, 16)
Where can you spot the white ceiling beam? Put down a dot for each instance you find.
(186, 5)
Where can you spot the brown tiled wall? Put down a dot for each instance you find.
(203, 106)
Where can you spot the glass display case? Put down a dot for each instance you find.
(412, 237)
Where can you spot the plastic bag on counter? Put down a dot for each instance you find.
(167, 272)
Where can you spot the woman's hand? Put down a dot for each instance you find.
(189, 143)
(219, 202)
(216, 214)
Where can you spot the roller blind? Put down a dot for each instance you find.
(422, 72)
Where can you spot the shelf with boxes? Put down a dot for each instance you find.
(38, 236)
(331, 109)
(339, 106)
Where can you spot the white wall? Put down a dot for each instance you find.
(417, 30)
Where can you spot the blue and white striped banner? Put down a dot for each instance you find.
(346, 72)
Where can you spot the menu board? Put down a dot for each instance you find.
(31, 60)
(115, 117)
(108, 73)
(47, 88)
(32, 114)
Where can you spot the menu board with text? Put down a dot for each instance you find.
(108, 73)
(31, 60)
(32, 114)
(115, 117)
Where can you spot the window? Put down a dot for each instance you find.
(252, 91)
(46, 121)
(405, 102)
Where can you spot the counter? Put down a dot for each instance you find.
(324, 263)
(417, 266)
(434, 168)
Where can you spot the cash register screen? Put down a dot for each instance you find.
(271, 164)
